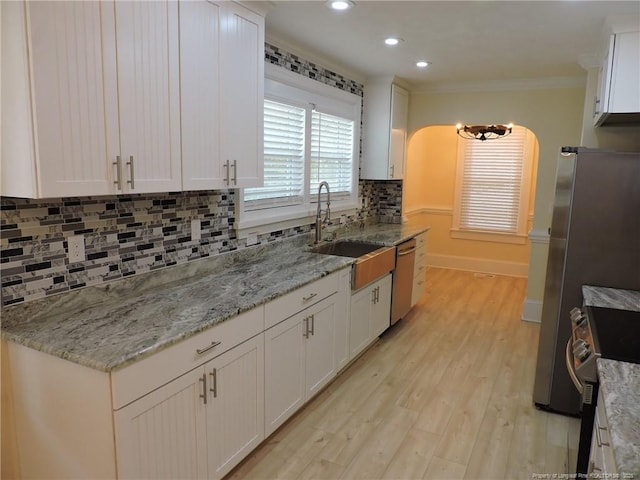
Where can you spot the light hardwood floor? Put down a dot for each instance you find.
(444, 394)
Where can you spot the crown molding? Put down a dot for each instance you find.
(542, 83)
(313, 57)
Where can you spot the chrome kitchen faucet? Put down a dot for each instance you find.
(327, 212)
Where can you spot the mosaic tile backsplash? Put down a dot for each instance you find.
(133, 234)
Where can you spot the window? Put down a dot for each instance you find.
(493, 185)
(311, 134)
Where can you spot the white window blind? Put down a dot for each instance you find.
(331, 152)
(284, 151)
(492, 184)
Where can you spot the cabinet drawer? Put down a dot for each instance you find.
(293, 302)
(142, 377)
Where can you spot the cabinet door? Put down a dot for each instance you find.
(319, 345)
(241, 96)
(72, 125)
(398, 134)
(163, 435)
(359, 326)
(200, 92)
(149, 95)
(381, 306)
(235, 414)
(284, 366)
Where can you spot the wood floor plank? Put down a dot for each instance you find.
(445, 393)
(414, 455)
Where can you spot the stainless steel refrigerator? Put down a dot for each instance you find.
(594, 240)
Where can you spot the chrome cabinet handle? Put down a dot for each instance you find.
(203, 395)
(407, 252)
(213, 345)
(214, 380)
(306, 327)
(234, 179)
(393, 170)
(309, 297)
(131, 173)
(313, 324)
(118, 164)
(226, 176)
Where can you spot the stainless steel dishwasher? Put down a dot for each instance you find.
(403, 280)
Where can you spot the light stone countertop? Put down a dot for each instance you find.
(611, 298)
(110, 326)
(620, 387)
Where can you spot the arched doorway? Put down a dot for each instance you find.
(431, 190)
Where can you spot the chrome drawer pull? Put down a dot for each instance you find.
(234, 179)
(213, 345)
(313, 324)
(309, 297)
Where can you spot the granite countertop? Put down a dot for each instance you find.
(110, 326)
(611, 298)
(620, 387)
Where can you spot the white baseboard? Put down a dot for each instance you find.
(484, 265)
(532, 310)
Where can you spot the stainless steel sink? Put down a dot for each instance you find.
(345, 248)
(373, 261)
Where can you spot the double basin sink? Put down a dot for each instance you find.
(372, 261)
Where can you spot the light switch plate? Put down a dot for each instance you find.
(196, 231)
(76, 248)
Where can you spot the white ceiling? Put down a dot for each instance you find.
(466, 41)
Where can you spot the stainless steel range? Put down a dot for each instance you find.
(597, 332)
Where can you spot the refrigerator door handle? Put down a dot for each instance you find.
(569, 359)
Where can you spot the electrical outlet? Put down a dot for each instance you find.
(196, 232)
(76, 248)
(252, 239)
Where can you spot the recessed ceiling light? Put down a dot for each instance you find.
(340, 4)
(392, 41)
(422, 64)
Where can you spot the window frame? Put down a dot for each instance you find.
(521, 235)
(291, 88)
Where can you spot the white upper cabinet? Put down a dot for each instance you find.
(55, 128)
(222, 83)
(149, 95)
(108, 97)
(386, 108)
(200, 94)
(241, 96)
(618, 96)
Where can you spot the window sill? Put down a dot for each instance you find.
(485, 236)
(258, 222)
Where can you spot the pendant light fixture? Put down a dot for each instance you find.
(483, 132)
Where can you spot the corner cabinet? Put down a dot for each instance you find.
(385, 119)
(99, 91)
(618, 95)
(222, 91)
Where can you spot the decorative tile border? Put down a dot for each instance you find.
(128, 235)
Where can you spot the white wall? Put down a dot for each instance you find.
(553, 114)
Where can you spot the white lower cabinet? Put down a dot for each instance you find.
(602, 463)
(299, 360)
(370, 314)
(199, 425)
